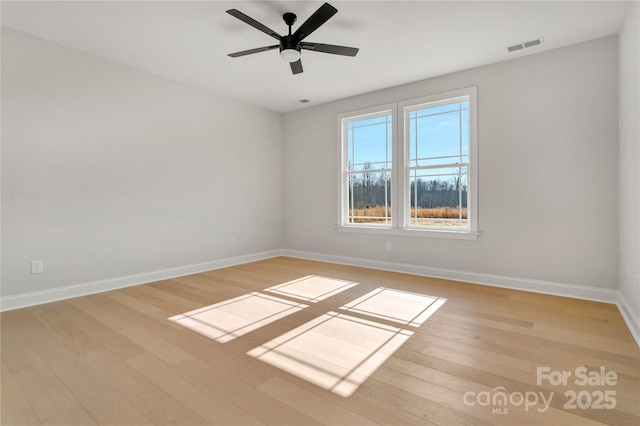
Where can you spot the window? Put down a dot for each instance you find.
(438, 142)
(369, 156)
(416, 176)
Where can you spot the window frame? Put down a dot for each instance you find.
(400, 171)
(343, 166)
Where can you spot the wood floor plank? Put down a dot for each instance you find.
(553, 337)
(199, 399)
(100, 332)
(269, 410)
(152, 402)
(311, 404)
(132, 331)
(15, 408)
(411, 409)
(31, 372)
(167, 296)
(87, 385)
(71, 417)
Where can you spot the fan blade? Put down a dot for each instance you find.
(250, 51)
(296, 67)
(330, 48)
(255, 24)
(319, 17)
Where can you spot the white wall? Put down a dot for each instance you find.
(548, 172)
(630, 160)
(109, 171)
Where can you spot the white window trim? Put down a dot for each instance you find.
(344, 158)
(400, 173)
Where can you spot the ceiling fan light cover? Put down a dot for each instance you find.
(290, 55)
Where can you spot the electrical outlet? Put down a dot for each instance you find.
(388, 247)
(233, 242)
(36, 267)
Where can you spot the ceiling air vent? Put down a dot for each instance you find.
(515, 47)
(525, 44)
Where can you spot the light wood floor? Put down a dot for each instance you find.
(116, 358)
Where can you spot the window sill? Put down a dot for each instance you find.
(424, 233)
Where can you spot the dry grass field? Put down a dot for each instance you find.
(376, 214)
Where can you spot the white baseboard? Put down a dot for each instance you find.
(8, 303)
(536, 286)
(629, 317)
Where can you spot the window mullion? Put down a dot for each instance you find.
(399, 175)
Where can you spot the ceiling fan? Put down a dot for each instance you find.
(291, 45)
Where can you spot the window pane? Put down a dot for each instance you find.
(439, 197)
(370, 198)
(465, 134)
(369, 143)
(439, 135)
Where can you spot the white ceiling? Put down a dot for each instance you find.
(399, 41)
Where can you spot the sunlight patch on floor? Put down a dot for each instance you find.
(335, 351)
(312, 288)
(395, 305)
(232, 318)
(339, 351)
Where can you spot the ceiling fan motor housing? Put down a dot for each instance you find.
(288, 42)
